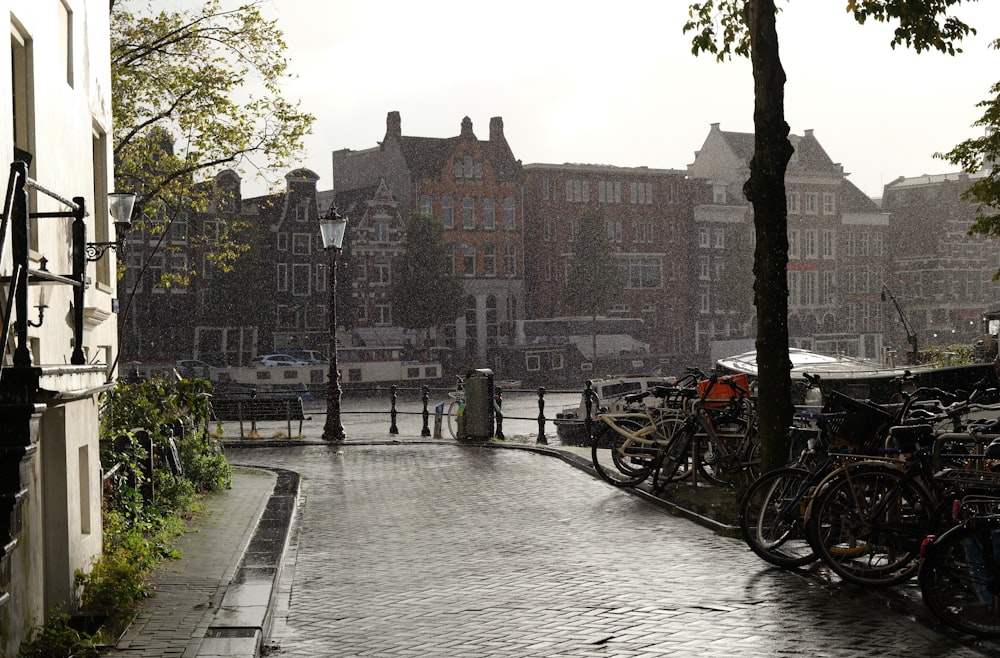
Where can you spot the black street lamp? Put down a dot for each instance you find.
(332, 228)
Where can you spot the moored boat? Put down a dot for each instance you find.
(571, 426)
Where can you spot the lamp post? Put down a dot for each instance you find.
(332, 228)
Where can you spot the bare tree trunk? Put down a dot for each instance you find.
(766, 191)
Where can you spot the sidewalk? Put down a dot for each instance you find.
(214, 600)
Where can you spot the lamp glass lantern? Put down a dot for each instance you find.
(120, 206)
(332, 228)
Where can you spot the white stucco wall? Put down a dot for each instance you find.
(69, 102)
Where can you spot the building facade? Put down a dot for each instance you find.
(943, 277)
(836, 251)
(60, 339)
(474, 188)
(648, 213)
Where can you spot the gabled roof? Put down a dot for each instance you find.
(810, 155)
(852, 199)
(426, 157)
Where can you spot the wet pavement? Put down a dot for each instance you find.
(446, 550)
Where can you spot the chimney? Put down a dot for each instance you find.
(467, 127)
(393, 125)
(496, 129)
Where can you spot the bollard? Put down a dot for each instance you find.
(392, 410)
(438, 415)
(497, 411)
(253, 412)
(541, 415)
(588, 404)
(426, 431)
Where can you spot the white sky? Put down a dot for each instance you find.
(616, 83)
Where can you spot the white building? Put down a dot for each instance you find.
(61, 334)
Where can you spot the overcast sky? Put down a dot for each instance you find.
(616, 83)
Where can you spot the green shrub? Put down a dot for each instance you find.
(57, 639)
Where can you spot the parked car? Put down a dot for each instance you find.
(193, 368)
(310, 357)
(279, 360)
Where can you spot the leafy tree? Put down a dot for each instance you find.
(748, 28)
(425, 293)
(181, 112)
(595, 280)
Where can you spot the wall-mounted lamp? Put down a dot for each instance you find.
(120, 207)
(41, 305)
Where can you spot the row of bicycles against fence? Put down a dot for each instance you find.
(880, 493)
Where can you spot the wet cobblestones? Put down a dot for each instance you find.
(444, 550)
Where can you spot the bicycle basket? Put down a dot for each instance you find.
(719, 393)
(857, 423)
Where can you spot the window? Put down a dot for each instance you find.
(704, 239)
(532, 362)
(469, 259)
(811, 244)
(381, 274)
(810, 287)
(793, 243)
(829, 203)
(178, 230)
(828, 244)
(156, 272)
(794, 288)
(301, 279)
(489, 214)
(878, 242)
(863, 243)
(614, 230)
(66, 39)
(509, 216)
(426, 205)
(319, 285)
(282, 242)
(719, 194)
(510, 260)
(545, 189)
(448, 212)
(557, 361)
(301, 212)
(281, 282)
(720, 238)
(609, 192)
(643, 272)
(490, 260)
(578, 191)
(642, 232)
(468, 213)
(704, 273)
(703, 302)
(792, 200)
(829, 292)
(641, 193)
(301, 244)
(812, 203)
(381, 231)
(383, 315)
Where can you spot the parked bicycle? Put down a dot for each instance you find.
(959, 571)
(694, 431)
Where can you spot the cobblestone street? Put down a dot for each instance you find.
(423, 550)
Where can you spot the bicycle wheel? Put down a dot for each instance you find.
(771, 518)
(624, 461)
(676, 455)
(868, 524)
(452, 419)
(960, 578)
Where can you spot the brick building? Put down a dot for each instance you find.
(943, 276)
(836, 251)
(648, 214)
(474, 188)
